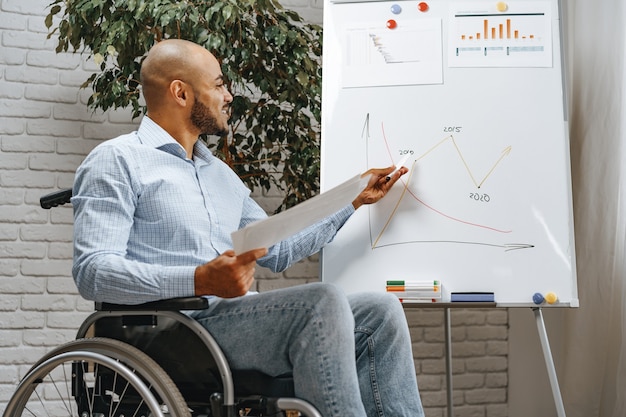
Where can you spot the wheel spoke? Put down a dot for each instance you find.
(30, 412)
(65, 400)
(96, 377)
(119, 396)
(90, 399)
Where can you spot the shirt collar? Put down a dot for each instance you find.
(151, 134)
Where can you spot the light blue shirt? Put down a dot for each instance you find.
(145, 216)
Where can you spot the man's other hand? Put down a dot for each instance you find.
(228, 275)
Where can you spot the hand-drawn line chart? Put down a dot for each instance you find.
(386, 226)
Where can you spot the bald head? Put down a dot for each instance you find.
(185, 91)
(169, 60)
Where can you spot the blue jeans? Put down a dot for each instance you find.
(315, 332)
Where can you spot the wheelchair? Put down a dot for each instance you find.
(147, 360)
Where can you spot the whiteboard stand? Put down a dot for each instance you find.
(448, 334)
(543, 337)
(448, 339)
(547, 354)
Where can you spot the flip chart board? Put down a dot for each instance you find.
(473, 92)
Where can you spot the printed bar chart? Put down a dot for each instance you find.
(482, 38)
(498, 30)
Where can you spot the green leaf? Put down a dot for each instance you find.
(48, 20)
(227, 12)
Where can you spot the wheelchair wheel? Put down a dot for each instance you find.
(96, 377)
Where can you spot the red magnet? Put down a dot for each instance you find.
(422, 7)
(392, 24)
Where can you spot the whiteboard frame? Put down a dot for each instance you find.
(334, 168)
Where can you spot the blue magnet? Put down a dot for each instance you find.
(538, 298)
(396, 9)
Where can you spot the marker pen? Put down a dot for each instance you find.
(399, 165)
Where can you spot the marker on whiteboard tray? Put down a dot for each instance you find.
(402, 285)
(399, 165)
(415, 291)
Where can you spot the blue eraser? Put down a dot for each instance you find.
(485, 297)
(538, 298)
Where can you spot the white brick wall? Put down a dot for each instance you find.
(45, 132)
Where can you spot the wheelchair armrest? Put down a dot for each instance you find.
(57, 198)
(171, 304)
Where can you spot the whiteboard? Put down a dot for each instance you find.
(473, 92)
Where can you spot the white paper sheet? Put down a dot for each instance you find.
(375, 56)
(267, 232)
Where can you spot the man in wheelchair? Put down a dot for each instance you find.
(154, 211)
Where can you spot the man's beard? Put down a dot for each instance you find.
(203, 119)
